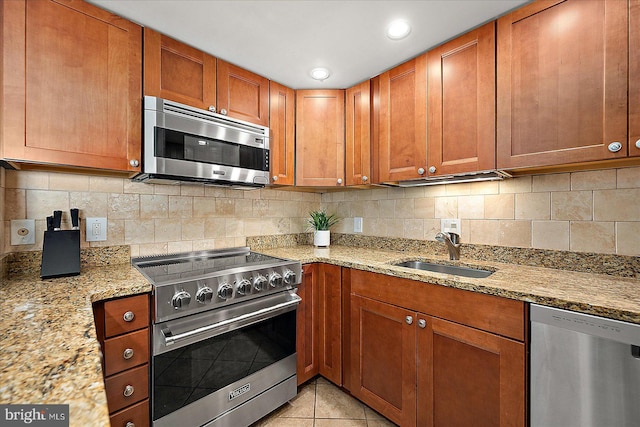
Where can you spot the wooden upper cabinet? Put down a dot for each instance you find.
(282, 104)
(320, 138)
(562, 83)
(634, 78)
(243, 94)
(461, 104)
(178, 72)
(71, 85)
(358, 134)
(401, 112)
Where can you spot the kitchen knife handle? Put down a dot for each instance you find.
(74, 219)
(49, 223)
(57, 219)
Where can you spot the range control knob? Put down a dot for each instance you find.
(289, 277)
(225, 291)
(260, 283)
(244, 287)
(204, 295)
(275, 279)
(181, 299)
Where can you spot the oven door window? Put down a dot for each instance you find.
(189, 373)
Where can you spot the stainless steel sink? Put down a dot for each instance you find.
(447, 269)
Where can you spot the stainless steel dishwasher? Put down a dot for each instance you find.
(585, 370)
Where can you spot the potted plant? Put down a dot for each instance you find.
(321, 223)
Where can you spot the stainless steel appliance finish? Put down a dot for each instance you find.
(182, 143)
(585, 370)
(223, 336)
(446, 269)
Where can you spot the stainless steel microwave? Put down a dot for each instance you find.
(182, 143)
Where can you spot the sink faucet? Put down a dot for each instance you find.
(452, 240)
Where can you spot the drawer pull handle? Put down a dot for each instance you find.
(128, 353)
(129, 424)
(128, 391)
(422, 323)
(128, 316)
(409, 320)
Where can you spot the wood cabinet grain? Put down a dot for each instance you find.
(330, 319)
(358, 134)
(71, 85)
(282, 144)
(242, 94)
(307, 325)
(634, 78)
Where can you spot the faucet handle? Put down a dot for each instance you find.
(455, 238)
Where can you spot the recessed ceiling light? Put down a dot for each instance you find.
(398, 29)
(320, 73)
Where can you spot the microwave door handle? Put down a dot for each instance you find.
(254, 316)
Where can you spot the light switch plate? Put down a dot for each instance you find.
(23, 232)
(450, 226)
(96, 229)
(357, 224)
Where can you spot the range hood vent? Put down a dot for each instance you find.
(494, 175)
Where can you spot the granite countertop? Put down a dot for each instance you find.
(49, 352)
(598, 294)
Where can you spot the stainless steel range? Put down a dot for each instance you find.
(224, 336)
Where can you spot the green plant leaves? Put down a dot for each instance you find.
(321, 221)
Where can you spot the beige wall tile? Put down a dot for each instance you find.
(115, 233)
(192, 190)
(166, 231)
(551, 182)
(550, 235)
(616, 205)
(105, 184)
(124, 206)
(628, 238)
(92, 204)
(260, 208)
(572, 205)
(168, 190)
(206, 244)
(433, 191)
(404, 208)
(593, 180)
(521, 184)
(148, 249)
(500, 206)
(177, 247)
(42, 203)
(484, 232)
(154, 206)
(192, 228)
(533, 206)
(515, 233)
(211, 191)
(215, 228)
(27, 179)
(374, 227)
(235, 227)
(485, 187)
(628, 177)
(68, 182)
(180, 207)
(276, 208)
(413, 228)
(462, 189)
(446, 207)
(204, 206)
(425, 207)
(15, 204)
(432, 227)
(413, 193)
(133, 187)
(138, 231)
(395, 228)
(471, 207)
(387, 208)
(243, 208)
(588, 236)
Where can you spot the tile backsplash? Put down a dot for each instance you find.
(593, 211)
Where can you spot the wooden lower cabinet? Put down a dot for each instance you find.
(307, 325)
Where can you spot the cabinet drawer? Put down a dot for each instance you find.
(134, 382)
(138, 415)
(126, 351)
(126, 315)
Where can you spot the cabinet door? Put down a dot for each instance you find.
(468, 377)
(282, 141)
(72, 80)
(320, 138)
(243, 94)
(402, 137)
(634, 78)
(461, 108)
(358, 135)
(307, 325)
(383, 359)
(330, 319)
(178, 72)
(562, 83)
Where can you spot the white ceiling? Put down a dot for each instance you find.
(283, 40)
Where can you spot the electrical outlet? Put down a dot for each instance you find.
(450, 226)
(357, 224)
(96, 229)
(23, 232)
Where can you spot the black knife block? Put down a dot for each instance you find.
(60, 254)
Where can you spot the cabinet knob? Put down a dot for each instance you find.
(275, 178)
(339, 181)
(129, 424)
(127, 354)
(365, 178)
(128, 316)
(432, 169)
(128, 390)
(409, 320)
(223, 112)
(134, 162)
(638, 143)
(422, 323)
(212, 108)
(420, 171)
(614, 147)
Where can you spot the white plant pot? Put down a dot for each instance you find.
(321, 238)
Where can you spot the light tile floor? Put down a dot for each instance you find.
(321, 404)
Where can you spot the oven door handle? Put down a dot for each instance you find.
(254, 316)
